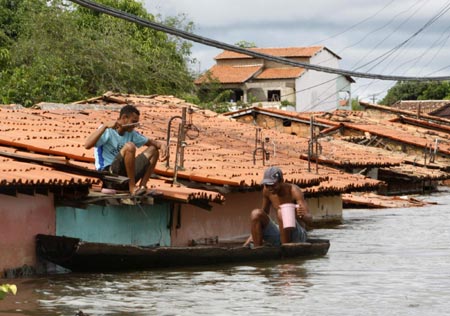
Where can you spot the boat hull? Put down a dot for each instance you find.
(80, 256)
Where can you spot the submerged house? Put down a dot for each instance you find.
(256, 80)
(440, 108)
(207, 188)
(408, 155)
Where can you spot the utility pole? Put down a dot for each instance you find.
(373, 98)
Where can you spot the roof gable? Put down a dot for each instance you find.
(286, 52)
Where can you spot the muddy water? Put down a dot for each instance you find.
(381, 262)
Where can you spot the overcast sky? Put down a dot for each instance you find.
(359, 31)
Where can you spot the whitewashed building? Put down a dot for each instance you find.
(268, 83)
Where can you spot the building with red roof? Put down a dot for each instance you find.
(258, 80)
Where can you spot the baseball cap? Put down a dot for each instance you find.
(272, 175)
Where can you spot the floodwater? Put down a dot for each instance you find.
(381, 262)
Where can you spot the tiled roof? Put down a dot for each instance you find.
(279, 52)
(378, 125)
(442, 112)
(395, 113)
(219, 151)
(16, 173)
(230, 74)
(426, 106)
(374, 128)
(281, 73)
(335, 152)
(417, 172)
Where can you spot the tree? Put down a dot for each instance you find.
(57, 52)
(245, 44)
(407, 90)
(355, 104)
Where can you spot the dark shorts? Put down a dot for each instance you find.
(140, 167)
(271, 234)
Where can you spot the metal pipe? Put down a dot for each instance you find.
(168, 138)
(264, 153)
(182, 135)
(310, 142)
(175, 174)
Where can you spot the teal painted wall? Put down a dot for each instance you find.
(142, 225)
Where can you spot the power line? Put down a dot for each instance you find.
(366, 36)
(354, 67)
(436, 52)
(311, 87)
(214, 43)
(354, 25)
(396, 48)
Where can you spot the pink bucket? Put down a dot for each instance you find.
(288, 214)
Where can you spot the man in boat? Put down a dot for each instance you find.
(277, 192)
(115, 145)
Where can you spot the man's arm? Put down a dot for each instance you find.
(303, 211)
(266, 203)
(162, 147)
(95, 136)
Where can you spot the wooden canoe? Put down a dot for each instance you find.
(80, 256)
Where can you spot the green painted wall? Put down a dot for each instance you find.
(142, 225)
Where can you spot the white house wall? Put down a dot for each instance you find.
(323, 97)
(344, 86)
(260, 89)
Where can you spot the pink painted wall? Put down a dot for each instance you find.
(225, 221)
(21, 218)
(232, 220)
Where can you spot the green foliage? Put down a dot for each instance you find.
(211, 95)
(55, 52)
(245, 44)
(7, 288)
(209, 88)
(286, 103)
(219, 102)
(355, 104)
(408, 90)
(251, 98)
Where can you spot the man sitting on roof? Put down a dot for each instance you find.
(115, 145)
(275, 193)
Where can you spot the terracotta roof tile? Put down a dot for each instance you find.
(230, 74)
(375, 129)
(279, 52)
(219, 151)
(425, 106)
(15, 172)
(281, 73)
(394, 113)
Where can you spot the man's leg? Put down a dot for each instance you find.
(285, 234)
(259, 221)
(299, 234)
(152, 154)
(128, 153)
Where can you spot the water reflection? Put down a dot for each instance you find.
(381, 262)
(237, 289)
